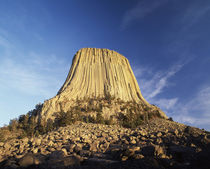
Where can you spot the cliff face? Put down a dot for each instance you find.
(95, 73)
(98, 73)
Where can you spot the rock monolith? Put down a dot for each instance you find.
(95, 73)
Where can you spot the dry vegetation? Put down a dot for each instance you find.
(130, 115)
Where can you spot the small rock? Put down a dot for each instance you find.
(152, 136)
(125, 141)
(7, 146)
(85, 153)
(78, 147)
(138, 156)
(124, 158)
(25, 140)
(128, 153)
(37, 141)
(159, 134)
(159, 150)
(104, 146)
(192, 145)
(19, 156)
(134, 148)
(133, 142)
(163, 156)
(75, 139)
(143, 133)
(176, 132)
(64, 151)
(50, 143)
(70, 147)
(94, 146)
(35, 150)
(1, 158)
(27, 160)
(143, 138)
(56, 155)
(71, 161)
(159, 141)
(43, 151)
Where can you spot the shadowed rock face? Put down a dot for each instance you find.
(96, 73)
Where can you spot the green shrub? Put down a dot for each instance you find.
(91, 119)
(2, 139)
(22, 135)
(64, 119)
(30, 130)
(99, 118)
(13, 125)
(41, 129)
(109, 121)
(131, 119)
(85, 119)
(170, 119)
(50, 125)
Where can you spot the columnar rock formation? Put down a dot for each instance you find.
(95, 73)
(100, 72)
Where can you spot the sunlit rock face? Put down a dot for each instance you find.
(95, 73)
(100, 72)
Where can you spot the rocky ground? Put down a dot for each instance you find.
(161, 144)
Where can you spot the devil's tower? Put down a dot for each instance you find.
(95, 73)
(98, 72)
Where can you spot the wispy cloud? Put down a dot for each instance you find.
(30, 72)
(194, 13)
(22, 78)
(140, 10)
(46, 62)
(183, 33)
(155, 82)
(5, 44)
(196, 111)
(161, 81)
(167, 104)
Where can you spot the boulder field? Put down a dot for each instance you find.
(159, 144)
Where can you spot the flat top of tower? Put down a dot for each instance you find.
(101, 50)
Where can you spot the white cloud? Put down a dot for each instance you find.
(26, 74)
(4, 42)
(141, 10)
(140, 71)
(184, 119)
(153, 83)
(5, 45)
(29, 72)
(166, 104)
(199, 104)
(194, 12)
(23, 78)
(46, 63)
(196, 111)
(161, 81)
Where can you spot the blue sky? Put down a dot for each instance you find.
(166, 41)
